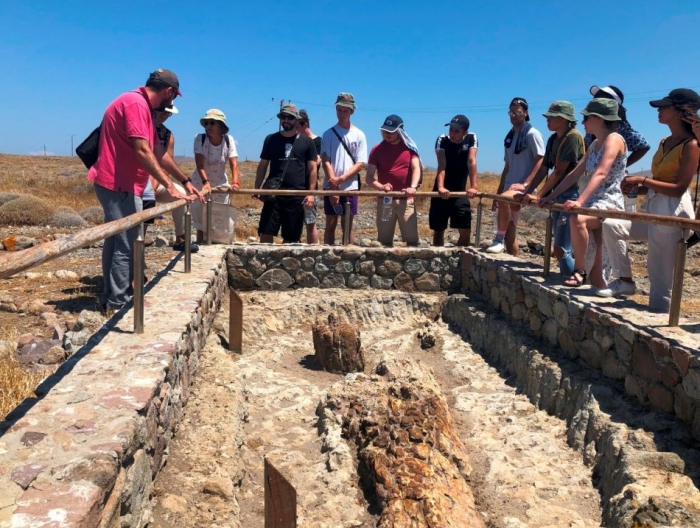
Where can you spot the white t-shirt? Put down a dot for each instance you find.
(520, 165)
(215, 160)
(341, 162)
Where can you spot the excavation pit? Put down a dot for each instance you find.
(551, 396)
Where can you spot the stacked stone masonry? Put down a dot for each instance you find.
(405, 269)
(658, 372)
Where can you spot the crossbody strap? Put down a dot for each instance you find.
(347, 149)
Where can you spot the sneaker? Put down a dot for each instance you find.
(180, 246)
(496, 247)
(617, 288)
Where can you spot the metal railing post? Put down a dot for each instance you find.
(209, 211)
(138, 281)
(188, 239)
(677, 291)
(346, 223)
(479, 213)
(548, 245)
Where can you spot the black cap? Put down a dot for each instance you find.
(519, 101)
(678, 97)
(167, 77)
(392, 123)
(459, 121)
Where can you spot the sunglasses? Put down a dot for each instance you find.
(287, 118)
(209, 122)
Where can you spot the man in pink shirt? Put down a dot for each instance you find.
(397, 168)
(126, 159)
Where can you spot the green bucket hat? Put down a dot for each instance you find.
(604, 108)
(289, 109)
(561, 109)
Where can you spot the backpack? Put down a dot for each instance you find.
(88, 150)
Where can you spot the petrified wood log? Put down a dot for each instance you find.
(338, 347)
(412, 463)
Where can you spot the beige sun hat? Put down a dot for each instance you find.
(216, 115)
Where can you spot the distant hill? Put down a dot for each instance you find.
(645, 173)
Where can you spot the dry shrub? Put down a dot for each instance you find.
(8, 197)
(83, 188)
(16, 384)
(26, 210)
(93, 215)
(67, 217)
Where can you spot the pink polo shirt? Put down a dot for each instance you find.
(117, 168)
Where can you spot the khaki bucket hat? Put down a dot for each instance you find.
(216, 115)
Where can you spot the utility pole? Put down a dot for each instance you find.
(44, 150)
(72, 152)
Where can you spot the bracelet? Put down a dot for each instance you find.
(186, 181)
(204, 181)
(644, 181)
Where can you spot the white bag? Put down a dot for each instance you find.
(223, 219)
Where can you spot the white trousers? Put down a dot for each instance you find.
(662, 242)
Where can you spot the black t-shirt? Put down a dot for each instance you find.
(456, 161)
(293, 153)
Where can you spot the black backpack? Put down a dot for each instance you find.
(88, 150)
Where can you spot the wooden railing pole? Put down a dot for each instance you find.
(548, 245)
(209, 215)
(479, 214)
(346, 223)
(235, 322)
(188, 240)
(677, 291)
(138, 281)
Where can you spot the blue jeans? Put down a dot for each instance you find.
(562, 233)
(118, 250)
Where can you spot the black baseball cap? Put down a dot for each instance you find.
(521, 102)
(459, 121)
(678, 97)
(168, 77)
(392, 123)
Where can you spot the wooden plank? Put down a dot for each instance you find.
(280, 499)
(235, 322)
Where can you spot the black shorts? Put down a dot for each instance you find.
(149, 204)
(286, 212)
(457, 210)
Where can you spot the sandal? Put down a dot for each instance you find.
(578, 278)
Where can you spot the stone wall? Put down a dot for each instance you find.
(659, 372)
(86, 452)
(406, 269)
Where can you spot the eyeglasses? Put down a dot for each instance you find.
(519, 113)
(285, 117)
(209, 122)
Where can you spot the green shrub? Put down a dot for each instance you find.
(67, 217)
(93, 214)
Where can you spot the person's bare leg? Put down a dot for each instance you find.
(329, 234)
(596, 274)
(439, 238)
(464, 237)
(311, 234)
(511, 241)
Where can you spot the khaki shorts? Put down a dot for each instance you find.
(403, 210)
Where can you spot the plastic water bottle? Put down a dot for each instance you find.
(631, 200)
(387, 202)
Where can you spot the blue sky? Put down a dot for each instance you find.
(63, 62)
